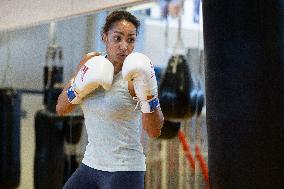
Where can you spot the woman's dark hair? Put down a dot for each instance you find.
(118, 16)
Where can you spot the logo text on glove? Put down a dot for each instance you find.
(152, 70)
(83, 70)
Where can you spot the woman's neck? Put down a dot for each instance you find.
(117, 68)
(117, 65)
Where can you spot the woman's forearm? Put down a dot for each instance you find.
(63, 106)
(153, 122)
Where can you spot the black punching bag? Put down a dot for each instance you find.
(72, 134)
(49, 154)
(73, 128)
(10, 111)
(243, 43)
(175, 90)
(70, 165)
(169, 130)
(52, 82)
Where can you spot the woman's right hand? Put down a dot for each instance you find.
(98, 71)
(63, 106)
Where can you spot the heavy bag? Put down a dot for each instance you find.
(10, 108)
(169, 130)
(49, 153)
(73, 125)
(73, 129)
(175, 89)
(243, 42)
(70, 166)
(52, 82)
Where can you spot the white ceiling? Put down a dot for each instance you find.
(16, 14)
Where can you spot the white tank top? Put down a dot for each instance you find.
(113, 129)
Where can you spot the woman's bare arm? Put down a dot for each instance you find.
(153, 122)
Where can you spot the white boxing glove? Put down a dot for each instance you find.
(98, 71)
(138, 68)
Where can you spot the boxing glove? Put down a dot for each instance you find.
(98, 71)
(138, 68)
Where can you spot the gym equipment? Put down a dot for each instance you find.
(187, 150)
(202, 163)
(178, 93)
(243, 43)
(199, 156)
(70, 166)
(97, 71)
(52, 71)
(10, 108)
(73, 129)
(72, 134)
(52, 167)
(52, 77)
(49, 156)
(169, 130)
(177, 97)
(196, 61)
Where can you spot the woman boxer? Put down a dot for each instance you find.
(104, 87)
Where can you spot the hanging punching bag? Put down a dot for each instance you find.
(49, 156)
(195, 60)
(73, 128)
(169, 130)
(10, 108)
(53, 77)
(72, 134)
(176, 90)
(70, 166)
(244, 46)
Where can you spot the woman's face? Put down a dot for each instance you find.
(120, 41)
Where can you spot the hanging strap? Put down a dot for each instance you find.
(179, 45)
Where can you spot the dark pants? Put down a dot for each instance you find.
(88, 178)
